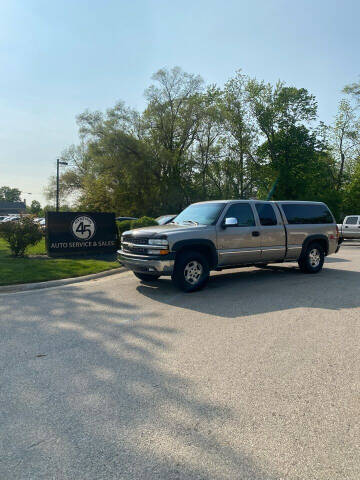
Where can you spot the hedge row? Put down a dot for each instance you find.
(140, 222)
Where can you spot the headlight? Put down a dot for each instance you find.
(158, 241)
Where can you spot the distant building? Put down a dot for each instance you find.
(12, 207)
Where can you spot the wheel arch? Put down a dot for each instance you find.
(318, 238)
(204, 246)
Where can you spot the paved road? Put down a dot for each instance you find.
(256, 377)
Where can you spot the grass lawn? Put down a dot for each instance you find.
(28, 270)
(38, 249)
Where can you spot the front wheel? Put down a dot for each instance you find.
(146, 277)
(191, 271)
(313, 258)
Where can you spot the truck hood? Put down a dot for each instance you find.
(163, 229)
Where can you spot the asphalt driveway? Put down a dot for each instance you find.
(255, 377)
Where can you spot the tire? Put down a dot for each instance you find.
(312, 260)
(191, 271)
(146, 277)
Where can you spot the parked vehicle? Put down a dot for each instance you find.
(42, 224)
(165, 219)
(350, 228)
(11, 218)
(228, 234)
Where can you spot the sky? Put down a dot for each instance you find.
(59, 58)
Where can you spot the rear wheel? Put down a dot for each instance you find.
(313, 258)
(191, 271)
(146, 277)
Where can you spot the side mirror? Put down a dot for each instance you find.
(230, 222)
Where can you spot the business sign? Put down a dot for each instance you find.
(80, 232)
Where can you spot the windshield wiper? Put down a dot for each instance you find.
(191, 221)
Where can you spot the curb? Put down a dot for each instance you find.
(24, 287)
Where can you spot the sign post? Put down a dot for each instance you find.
(85, 233)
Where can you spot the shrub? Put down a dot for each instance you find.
(143, 222)
(140, 222)
(123, 226)
(20, 235)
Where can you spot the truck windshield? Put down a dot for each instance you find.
(199, 214)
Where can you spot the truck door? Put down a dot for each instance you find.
(351, 227)
(272, 233)
(240, 243)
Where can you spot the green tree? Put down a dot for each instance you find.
(242, 167)
(9, 194)
(345, 138)
(353, 89)
(352, 193)
(35, 207)
(302, 165)
(195, 142)
(118, 172)
(208, 147)
(282, 114)
(172, 120)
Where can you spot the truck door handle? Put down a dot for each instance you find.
(256, 234)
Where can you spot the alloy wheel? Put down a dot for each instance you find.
(315, 257)
(193, 271)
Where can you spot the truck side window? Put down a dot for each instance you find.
(266, 214)
(243, 213)
(307, 213)
(351, 221)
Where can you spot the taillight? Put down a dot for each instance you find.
(337, 232)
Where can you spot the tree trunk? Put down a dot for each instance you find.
(341, 171)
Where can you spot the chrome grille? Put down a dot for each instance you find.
(138, 250)
(131, 244)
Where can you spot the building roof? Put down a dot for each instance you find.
(12, 206)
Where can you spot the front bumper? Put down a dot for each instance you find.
(145, 264)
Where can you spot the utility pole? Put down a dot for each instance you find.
(58, 163)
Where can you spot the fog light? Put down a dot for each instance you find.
(157, 252)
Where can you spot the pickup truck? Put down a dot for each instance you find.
(350, 228)
(216, 235)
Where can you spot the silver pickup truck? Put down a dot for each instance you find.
(350, 228)
(223, 234)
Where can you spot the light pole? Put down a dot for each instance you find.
(58, 163)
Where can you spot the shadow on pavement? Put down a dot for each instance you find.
(336, 260)
(350, 243)
(85, 394)
(253, 291)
